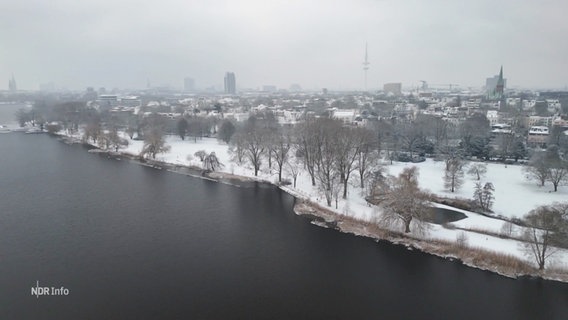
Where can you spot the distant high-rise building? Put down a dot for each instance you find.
(12, 84)
(188, 84)
(230, 83)
(495, 86)
(269, 88)
(366, 64)
(394, 88)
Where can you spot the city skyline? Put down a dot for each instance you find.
(316, 45)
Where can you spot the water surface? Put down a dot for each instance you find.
(132, 242)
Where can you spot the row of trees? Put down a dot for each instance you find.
(329, 151)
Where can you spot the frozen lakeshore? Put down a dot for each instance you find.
(354, 215)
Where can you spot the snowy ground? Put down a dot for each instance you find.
(514, 194)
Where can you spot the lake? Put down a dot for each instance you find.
(133, 242)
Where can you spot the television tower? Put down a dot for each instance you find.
(366, 64)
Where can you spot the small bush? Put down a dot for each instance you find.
(462, 240)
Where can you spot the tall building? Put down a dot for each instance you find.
(188, 84)
(230, 83)
(394, 88)
(12, 84)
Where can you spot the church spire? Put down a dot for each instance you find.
(500, 88)
(501, 75)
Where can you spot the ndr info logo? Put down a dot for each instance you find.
(49, 291)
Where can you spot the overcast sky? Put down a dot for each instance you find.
(319, 43)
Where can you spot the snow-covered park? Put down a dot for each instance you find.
(515, 195)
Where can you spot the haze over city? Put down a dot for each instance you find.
(315, 44)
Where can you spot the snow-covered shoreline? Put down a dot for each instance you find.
(352, 216)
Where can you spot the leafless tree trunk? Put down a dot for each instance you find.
(349, 144)
(367, 158)
(557, 173)
(253, 144)
(307, 145)
(281, 147)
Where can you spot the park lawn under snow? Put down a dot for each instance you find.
(514, 194)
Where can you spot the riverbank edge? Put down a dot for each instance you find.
(325, 217)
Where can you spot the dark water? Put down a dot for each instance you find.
(442, 215)
(131, 242)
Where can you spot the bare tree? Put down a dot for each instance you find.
(542, 223)
(23, 116)
(326, 158)
(483, 196)
(383, 131)
(368, 157)
(436, 128)
(181, 127)
(252, 142)
(557, 173)
(201, 154)
(226, 131)
(538, 168)
(280, 148)
(453, 175)
(478, 170)
(308, 138)
(197, 127)
(410, 135)
(348, 148)
(236, 149)
(93, 129)
(154, 140)
(402, 200)
(507, 229)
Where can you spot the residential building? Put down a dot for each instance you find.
(538, 136)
